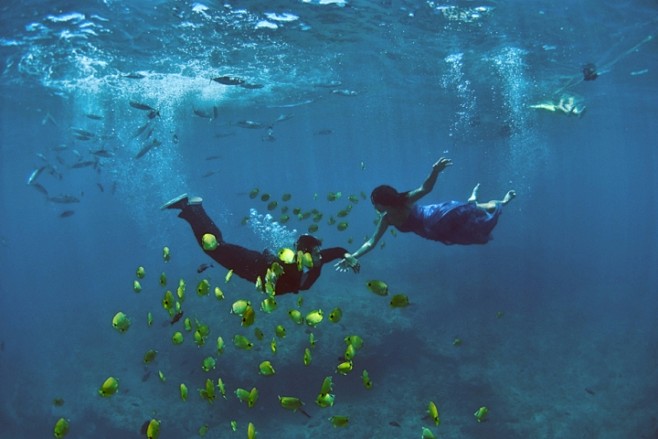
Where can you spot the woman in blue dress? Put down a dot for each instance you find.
(450, 222)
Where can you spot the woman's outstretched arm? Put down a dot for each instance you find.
(429, 182)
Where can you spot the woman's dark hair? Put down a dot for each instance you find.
(388, 196)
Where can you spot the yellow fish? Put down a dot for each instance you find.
(290, 403)
(242, 342)
(268, 305)
(109, 387)
(240, 306)
(166, 254)
(307, 357)
(296, 316)
(339, 421)
(266, 368)
(208, 393)
(219, 294)
(137, 287)
(177, 338)
(354, 340)
(399, 301)
(208, 364)
(251, 431)
(367, 383)
(313, 318)
(209, 242)
(121, 322)
(168, 301)
(180, 291)
(327, 385)
(153, 429)
(481, 414)
(183, 392)
(335, 315)
(378, 287)
(228, 276)
(325, 400)
(287, 256)
(253, 397)
(350, 352)
(61, 428)
(242, 394)
(433, 412)
(249, 316)
(344, 368)
(149, 356)
(280, 331)
(203, 287)
(221, 387)
(427, 433)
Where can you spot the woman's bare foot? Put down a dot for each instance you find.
(509, 196)
(474, 195)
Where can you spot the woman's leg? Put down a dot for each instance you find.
(490, 206)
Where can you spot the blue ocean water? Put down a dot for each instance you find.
(557, 316)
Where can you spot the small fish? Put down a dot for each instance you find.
(142, 152)
(249, 124)
(103, 153)
(323, 132)
(135, 75)
(35, 174)
(283, 117)
(249, 86)
(146, 375)
(330, 84)
(94, 116)
(140, 106)
(176, 317)
(83, 133)
(141, 129)
(394, 424)
(40, 188)
(203, 114)
(229, 80)
(213, 157)
(64, 199)
(378, 287)
(84, 164)
(203, 267)
(67, 213)
(100, 187)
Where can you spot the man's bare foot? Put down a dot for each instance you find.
(474, 195)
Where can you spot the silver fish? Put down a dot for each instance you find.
(140, 106)
(35, 174)
(64, 199)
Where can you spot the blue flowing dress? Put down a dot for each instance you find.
(452, 222)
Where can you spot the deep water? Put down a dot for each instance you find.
(557, 315)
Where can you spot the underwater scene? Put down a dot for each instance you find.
(329, 219)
